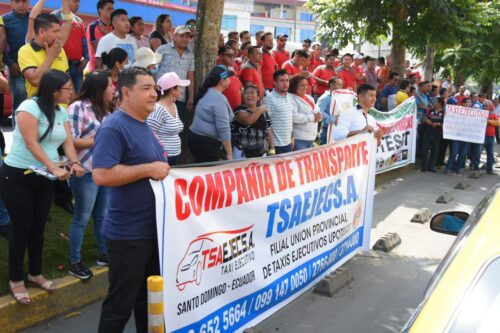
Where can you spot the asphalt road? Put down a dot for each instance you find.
(386, 287)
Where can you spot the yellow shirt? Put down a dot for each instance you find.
(401, 96)
(33, 55)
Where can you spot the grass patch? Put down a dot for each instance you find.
(55, 249)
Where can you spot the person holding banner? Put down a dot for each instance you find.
(324, 106)
(126, 155)
(458, 150)
(432, 136)
(356, 120)
(305, 116)
(489, 141)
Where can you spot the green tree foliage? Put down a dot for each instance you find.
(476, 52)
(412, 24)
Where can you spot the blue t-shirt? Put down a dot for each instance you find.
(389, 90)
(452, 100)
(477, 105)
(20, 156)
(131, 212)
(421, 113)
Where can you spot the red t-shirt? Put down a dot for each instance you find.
(324, 73)
(281, 56)
(383, 74)
(460, 99)
(359, 71)
(249, 73)
(93, 34)
(233, 92)
(74, 44)
(290, 68)
(348, 76)
(316, 62)
(268, 66)
(490, 129)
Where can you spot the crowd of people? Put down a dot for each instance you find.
(103, 109)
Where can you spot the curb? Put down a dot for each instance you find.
(71, 293)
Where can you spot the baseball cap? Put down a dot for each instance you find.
(278, 36)
(145, 57)
(226, 73)
(182, 29)
(170, 80)
(358, 56)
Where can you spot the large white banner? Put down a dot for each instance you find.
(399, 142)
(399, 127)
(238, 241)
(465, 124)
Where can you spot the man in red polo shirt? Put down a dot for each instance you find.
(280, 54)
(75, 46)
(358, 68)
(250, 73)
(296, 65)
(268, 64)
(98, 29)
(323, 74)
(316, 59)
(347, 73)
(233, 92)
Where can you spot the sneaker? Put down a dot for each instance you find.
(80, 271)
(102, 260)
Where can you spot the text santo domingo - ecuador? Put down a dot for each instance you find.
(212, 191)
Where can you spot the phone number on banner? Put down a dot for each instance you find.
(236, 314)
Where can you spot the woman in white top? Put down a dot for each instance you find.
(305, 119)
(165, 120)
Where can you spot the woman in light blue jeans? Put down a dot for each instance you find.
(86, 114)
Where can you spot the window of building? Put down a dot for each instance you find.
(282, 30)
(229, 22)
(307, 34)
(254, 28)
(306, 17)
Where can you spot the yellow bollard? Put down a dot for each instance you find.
(155, 304)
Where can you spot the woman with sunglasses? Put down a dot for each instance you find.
(210, 130)
(86, 113)
(42, 126)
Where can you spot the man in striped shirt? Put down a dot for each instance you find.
(280, 109)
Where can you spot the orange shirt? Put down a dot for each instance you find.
(324, 73)
(383, 74)
(268, 67)
(348, 76)
(233, 92)
(281, 56)
(316, 62)
(250, 73)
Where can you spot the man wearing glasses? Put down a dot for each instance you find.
(233, 92)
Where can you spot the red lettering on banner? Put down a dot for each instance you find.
(209, 192)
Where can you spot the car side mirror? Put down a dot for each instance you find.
(449, 222)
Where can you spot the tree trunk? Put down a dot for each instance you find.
(459, 79)
(430, 54)
(487, 88)
(208, 22)
(398, 49)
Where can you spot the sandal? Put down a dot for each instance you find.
(40, 282)
(21, 297)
